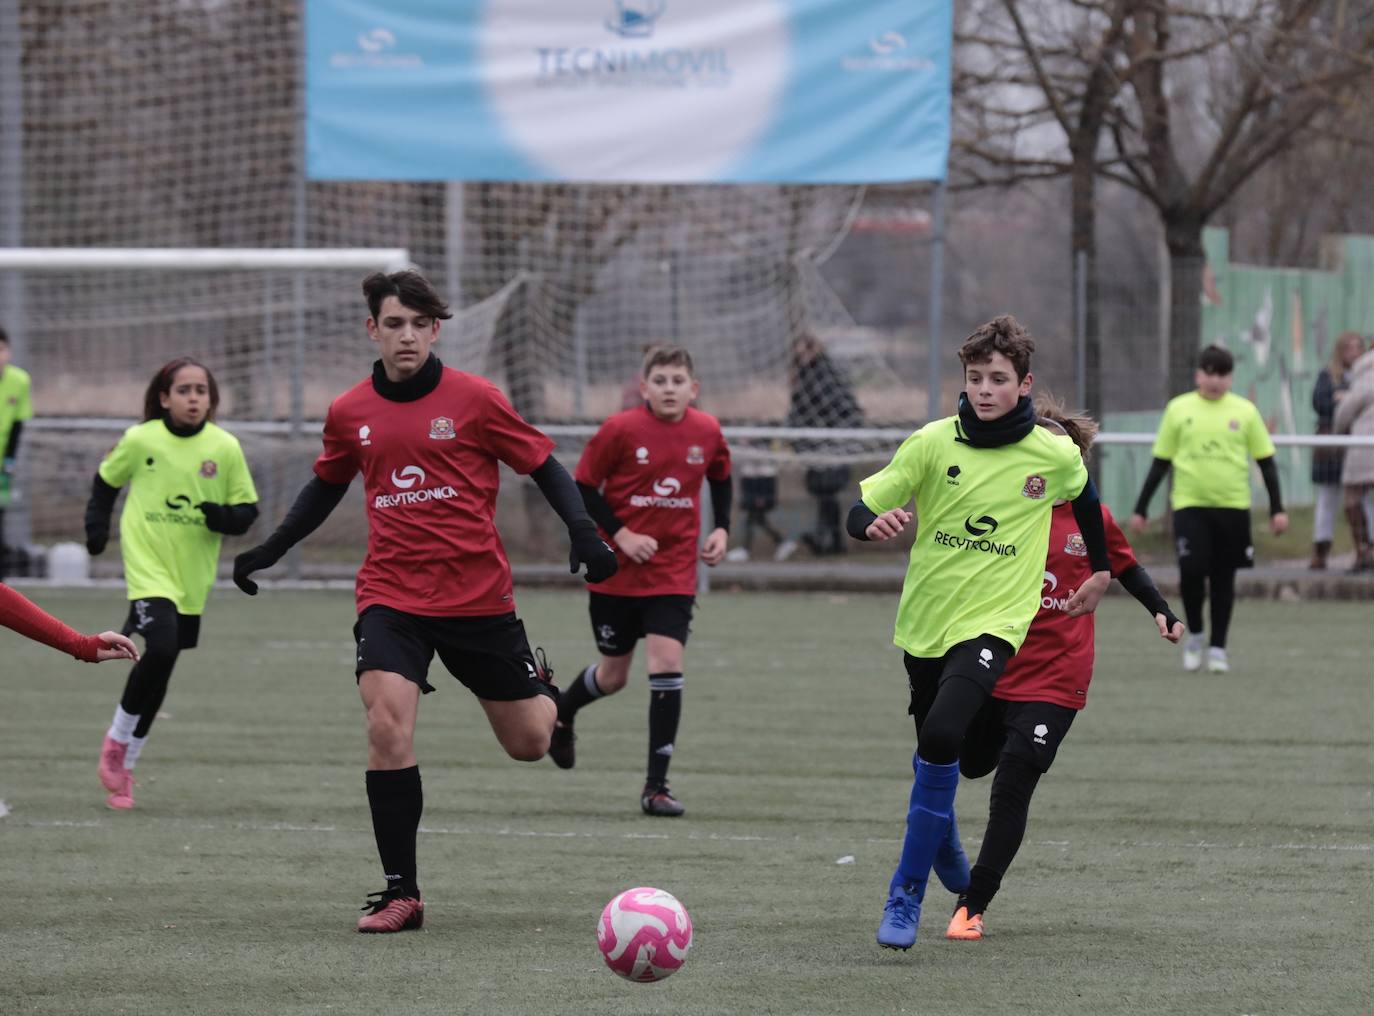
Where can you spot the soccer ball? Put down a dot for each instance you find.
(644, 934)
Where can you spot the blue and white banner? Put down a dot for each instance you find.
(672, 91)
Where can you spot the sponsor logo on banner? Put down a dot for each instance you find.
(888, 52)
(376, 49)
(635, 20)
(441, 429)
(580, 63)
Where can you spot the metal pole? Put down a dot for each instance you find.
(455, 207)
(13, 314)
(937, 294)
(298, 239)
(1080, 327)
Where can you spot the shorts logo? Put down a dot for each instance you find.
(642, 455)
(441, 429)
(1034, 487)
(408, 477)
(208, 469)
(1040, 731)
(1075, 545)
(985, 658)
(144, 618)
(365, 435)
(695, 456)
(605, 636)
(1182, 544)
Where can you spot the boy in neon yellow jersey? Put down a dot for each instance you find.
(1209, 436)
(15, 408)
(985, 482)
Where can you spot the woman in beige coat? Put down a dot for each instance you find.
(1355, 415)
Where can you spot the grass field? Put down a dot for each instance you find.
(1203, 844)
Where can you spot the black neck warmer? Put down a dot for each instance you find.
(1005, 430)
(417, 386)
(183, 431)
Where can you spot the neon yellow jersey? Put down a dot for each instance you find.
(167, 550)
(1210, 442)
(15, 404)
(983, 518)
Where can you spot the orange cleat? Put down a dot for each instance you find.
(391, 912)
(963, 928)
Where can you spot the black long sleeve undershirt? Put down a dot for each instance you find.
(1087, 512)
(860, 518)
(1269, 470)
(563, 496)
(231, 519)
(1136, 581)
(722, 497)
(600, 510)
(1159, 468)
(12, 445)
(312, 506)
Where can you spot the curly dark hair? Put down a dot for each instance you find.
(1003, 335)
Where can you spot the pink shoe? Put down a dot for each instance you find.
(111, 766)
(123, 796)
(389, 913)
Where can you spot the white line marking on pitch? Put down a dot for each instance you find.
(287, 827)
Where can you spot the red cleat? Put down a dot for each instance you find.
(391, 912)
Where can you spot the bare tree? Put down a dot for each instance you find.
(1216, 92)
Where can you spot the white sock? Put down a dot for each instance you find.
(589, 682)
(122, 726)
(135, 749)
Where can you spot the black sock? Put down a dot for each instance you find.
(665, 709)
(1193, 587)
(147, 686)
(1008, 807)
(1223, 583)
(397, 800)
(583, 691)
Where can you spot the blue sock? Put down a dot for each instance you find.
(927, 820)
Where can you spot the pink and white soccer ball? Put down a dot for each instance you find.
(644, 934)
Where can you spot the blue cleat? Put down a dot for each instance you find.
(901, 914)
(951, 863)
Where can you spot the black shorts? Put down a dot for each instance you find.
(1207, 538)
(618, 622)
(490, 655)
(1031, 731)
(157, 620)
(981, 660)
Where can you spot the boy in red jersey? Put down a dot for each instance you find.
(429, 441)
(32, 621)
(1044, 686)
(641, 477)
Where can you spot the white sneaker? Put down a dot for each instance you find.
(785, 550)
(737, 554)
(1192, 653)
(1217, 662)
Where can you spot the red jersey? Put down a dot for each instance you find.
(430, 475)
(650, 472)
(1055, 663)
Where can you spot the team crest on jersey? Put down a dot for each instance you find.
(1075, 545)
(208, 469)
(695, 456)
(441, 429)
(1234, 424)
(1034, 487)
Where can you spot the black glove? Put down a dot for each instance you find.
(218, 518)
(96, 538)
(590, 549)
(249, 562)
